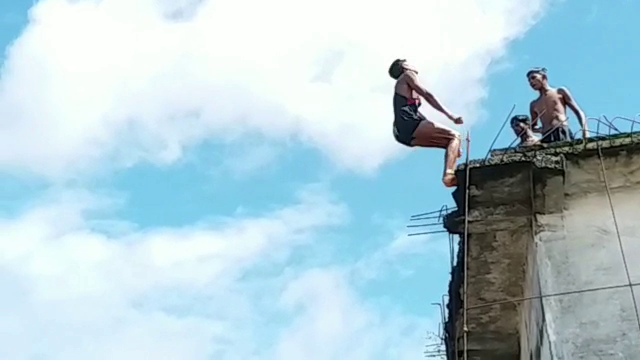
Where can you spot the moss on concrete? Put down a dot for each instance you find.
(551, 155)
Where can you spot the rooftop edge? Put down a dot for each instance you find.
(548, 155)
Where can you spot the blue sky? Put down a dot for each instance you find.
(173, 186)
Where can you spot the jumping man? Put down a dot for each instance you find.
(551, 108)
(412, 128)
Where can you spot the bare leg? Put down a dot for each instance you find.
(433, 135)
(453, 154)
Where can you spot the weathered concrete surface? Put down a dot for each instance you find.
(540, 223)
(579, 249)
(500, 228)
(551, 155)
(534, 339)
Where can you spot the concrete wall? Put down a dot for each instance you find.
(499, 231)
(542, 224)
(578, 249)
(535, 342)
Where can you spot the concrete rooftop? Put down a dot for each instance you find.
(508, 190)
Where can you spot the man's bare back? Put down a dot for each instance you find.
(402, 87)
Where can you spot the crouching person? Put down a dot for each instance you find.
(521, 125)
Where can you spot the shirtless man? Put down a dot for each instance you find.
(551, 108)
(521, 125)
(411, 128)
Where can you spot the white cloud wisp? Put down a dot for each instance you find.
(223, 290)
(89, 81)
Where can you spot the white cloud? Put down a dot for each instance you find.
(241, 162)
(142, 80)
(74, 293)
(395, 255)
(222, 289)
(335, 324)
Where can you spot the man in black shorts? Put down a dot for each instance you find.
(412, 128)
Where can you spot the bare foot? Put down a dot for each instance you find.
(450, 179)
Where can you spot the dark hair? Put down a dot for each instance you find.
(537, 70)
(396, 69)
(520, 119)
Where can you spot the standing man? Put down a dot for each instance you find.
(411, 128)
(551, 109)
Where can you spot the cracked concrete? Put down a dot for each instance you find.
(540, 223)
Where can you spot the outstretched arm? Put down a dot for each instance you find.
(414, 83)
(573, 105)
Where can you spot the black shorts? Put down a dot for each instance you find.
(561, 133)
(405, 124)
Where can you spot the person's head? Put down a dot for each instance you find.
(537, 78)
(520, 124)
(398, 67)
